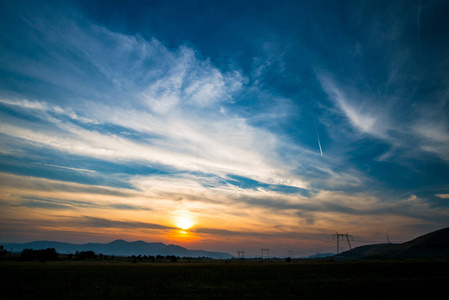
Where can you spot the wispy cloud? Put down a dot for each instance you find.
(38, 185)
(68, 168)
(358, 108)
(428, 130)
(106, 223)
(180, 99)
(434, 135)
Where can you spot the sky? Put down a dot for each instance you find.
(224, 125)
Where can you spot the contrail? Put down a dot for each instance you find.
(317, 136)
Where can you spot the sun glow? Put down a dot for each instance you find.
(184, 223)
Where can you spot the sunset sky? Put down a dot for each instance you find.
(224, 125)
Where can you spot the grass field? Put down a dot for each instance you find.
(220, 280)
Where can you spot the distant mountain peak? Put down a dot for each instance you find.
(118, 241)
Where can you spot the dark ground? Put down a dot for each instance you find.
(220, 280)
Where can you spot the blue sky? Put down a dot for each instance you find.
(254, 121)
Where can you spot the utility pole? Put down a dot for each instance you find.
(341, 235)
(388, 239)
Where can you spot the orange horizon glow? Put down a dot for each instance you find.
(44, 209)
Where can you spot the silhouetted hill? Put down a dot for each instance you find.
(431, 245)
(119, 248)
(434, 244)
(365, 250)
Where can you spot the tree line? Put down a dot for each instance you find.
(51, 254)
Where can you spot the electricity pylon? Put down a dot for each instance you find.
(268, 253)
(241, 254)
(338, 235)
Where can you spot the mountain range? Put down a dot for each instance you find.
(119, 248)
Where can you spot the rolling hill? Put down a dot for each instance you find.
(431, 245)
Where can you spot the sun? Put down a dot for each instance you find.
(184, 223)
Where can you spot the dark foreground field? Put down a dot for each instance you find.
(219, 280)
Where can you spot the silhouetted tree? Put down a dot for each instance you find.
(3, 251)
(86, 254)
(172, 258)
(27, 254)
(41, 255)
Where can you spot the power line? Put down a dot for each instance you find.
(314, 249)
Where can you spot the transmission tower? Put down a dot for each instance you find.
(290, 253)
(265, 250)
(342, 236)
(241, 254)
